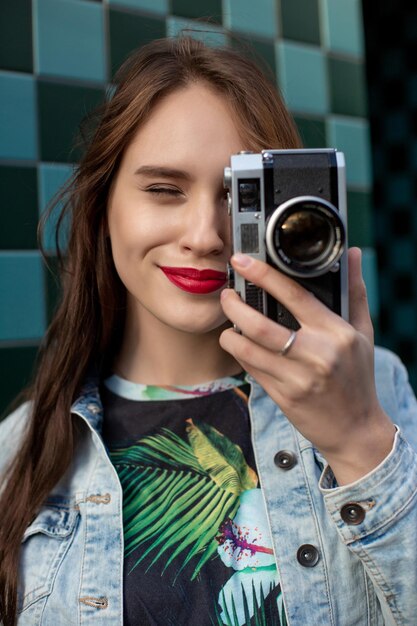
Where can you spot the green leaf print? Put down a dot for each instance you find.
(177, 495)
(220, 458)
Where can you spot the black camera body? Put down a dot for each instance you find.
(288, 208)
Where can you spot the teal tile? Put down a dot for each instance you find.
(22, 306)
(70, 39)
(16, 35)
(210, 35)
(211, 9)
(370, 276)
(61, 110)
(128, 32)
(153, 6)
(361, 227)
(312, 131)
(51, 178)
(300, 20)
(351, 136)
(303, 77)
(19, 208)
(258, 18)
(347, 87)
(18, 136)
(16, 365)
(342, 26)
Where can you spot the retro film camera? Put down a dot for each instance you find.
(288, 208)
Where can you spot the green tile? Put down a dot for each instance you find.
(303, 77)
(405, 318)
(400, 253)
(19, 213)
(347, 87)
(312, 131)
(52, 285)
(342, 26)
(61, 109)
(261, 52)
(360, 219)
(247, 16)
(16, 366)
(52, 176)
(16, 35)
(300, 20)
(128, 32)
(209, 34)
(190, 8)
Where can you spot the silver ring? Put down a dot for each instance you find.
(288, 344)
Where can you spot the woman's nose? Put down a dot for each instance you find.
(205, 228)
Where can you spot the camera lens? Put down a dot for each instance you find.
(305, 236)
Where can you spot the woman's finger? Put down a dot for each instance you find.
(254, 325)
(256, 358)
(303, 305)
(359, 315)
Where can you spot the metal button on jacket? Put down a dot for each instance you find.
(307, 555)
(284, 459)
(352, 513)
(94, 408)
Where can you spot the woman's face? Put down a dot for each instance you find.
(167, 213)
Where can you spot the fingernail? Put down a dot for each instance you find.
(224, 294)
(243, 260)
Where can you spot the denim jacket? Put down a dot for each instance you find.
(339, 565)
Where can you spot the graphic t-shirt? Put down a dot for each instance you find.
(198, 549)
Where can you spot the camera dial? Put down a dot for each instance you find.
(305, 236)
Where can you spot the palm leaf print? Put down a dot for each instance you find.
(177, 494)
(261, 616)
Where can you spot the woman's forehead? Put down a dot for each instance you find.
(194, 122)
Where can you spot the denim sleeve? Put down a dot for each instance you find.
(385, 540)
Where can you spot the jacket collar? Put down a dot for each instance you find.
(88, 404)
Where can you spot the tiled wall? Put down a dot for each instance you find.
(56, 61)
(391, 36)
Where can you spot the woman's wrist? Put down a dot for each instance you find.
(363, 451)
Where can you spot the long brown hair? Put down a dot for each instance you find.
(88, 323)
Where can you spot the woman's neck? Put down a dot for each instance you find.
(157, 354)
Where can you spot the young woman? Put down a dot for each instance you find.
(167, 470)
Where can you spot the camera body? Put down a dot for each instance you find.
(288, 208)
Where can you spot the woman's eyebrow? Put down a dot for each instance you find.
(162, 171)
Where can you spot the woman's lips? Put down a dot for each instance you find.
(195, 281)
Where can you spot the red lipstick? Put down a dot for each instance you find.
(195, 281)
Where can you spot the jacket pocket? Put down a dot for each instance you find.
(44, 545)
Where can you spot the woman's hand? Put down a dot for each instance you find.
(325, 383)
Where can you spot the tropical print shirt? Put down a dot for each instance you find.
(198, 547)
